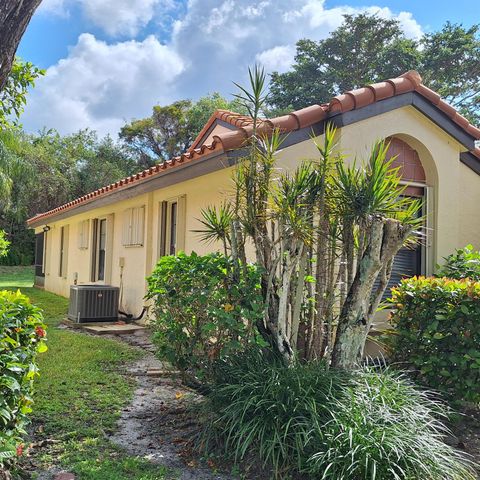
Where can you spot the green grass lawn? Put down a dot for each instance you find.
(79, 395)
(13, 277)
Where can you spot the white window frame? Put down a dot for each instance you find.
(427, 247)
(96, 249)
(63, 250)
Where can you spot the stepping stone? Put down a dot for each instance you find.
(157, 372)
(64, 476)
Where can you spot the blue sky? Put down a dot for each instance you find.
(109, 61)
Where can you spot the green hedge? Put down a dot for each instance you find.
(202, 312)
(22, 336)
(436, 325)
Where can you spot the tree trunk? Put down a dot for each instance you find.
(384, 237)
(14, 18)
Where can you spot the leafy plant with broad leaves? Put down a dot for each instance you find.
(22, 337)
(13, 97)
(464, 263)
(436, 333)
(203, 310)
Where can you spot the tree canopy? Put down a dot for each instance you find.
(171, 129)
(367, 49)
(39, 172)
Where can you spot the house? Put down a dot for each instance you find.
(116, 234)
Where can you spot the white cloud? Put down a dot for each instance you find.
(100, 85)
(114, 17)
(57, 7)
(212, 42)
(124, 17)
(277, 59)
(220, 40)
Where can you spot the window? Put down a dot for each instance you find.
(172, 229)
(172, 226)
(40, 254)
(83, 228)
(408, 261)
(133, 227)
(62, 268)
(99, 251)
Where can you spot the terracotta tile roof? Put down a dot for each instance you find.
(234, 119)
(351, 100)
(408, 82)
(137, 178)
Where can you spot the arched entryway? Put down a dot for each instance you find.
(409, 261)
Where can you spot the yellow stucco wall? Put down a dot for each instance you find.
(454, 216)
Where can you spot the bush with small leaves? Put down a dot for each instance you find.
(22, 337)
(436, 333)
(204, 309)
(464, 263)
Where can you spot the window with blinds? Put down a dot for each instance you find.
(407, 263)
(133, 227)
(83, 232)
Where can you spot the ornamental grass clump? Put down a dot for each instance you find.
(320, 423)
(22, 337)
(383, 427)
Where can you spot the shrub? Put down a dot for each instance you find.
(437, 332)
(328, 424)
(464, 263)
(201, 312)
(22, 336)
(4, 244)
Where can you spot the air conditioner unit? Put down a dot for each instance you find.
(93, 303)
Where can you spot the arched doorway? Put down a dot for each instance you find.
(409, 261)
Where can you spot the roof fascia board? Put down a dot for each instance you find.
(471, 161)
(443, 121)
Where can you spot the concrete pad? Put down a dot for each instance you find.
(113, 329)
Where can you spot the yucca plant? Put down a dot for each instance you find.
(324, 236)
(216, 223)
(376, 222)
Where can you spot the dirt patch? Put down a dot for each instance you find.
(160, 422)
(466, 432)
